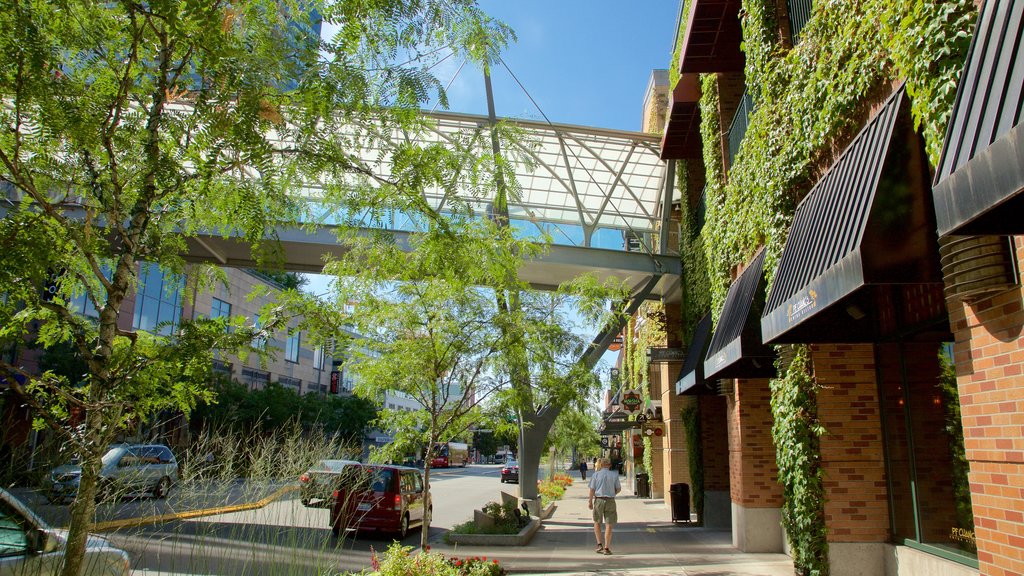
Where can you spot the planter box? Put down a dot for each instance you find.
(521, 539)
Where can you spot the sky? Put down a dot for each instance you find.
(584, 62)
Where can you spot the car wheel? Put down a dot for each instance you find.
(54, 498)
(403, 528)
(162, 488)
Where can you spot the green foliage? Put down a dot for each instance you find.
(400, 560)
(507, 516)
(695, 457)
(796, 433)
(575, 428)
(130, 127)
(274, 407)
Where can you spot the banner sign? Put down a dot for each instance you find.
(666, 354)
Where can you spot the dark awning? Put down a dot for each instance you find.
(711, 41)
(691, 377)
(682, 139)
(980, 177)
(736, 350)
(616, 423)
(861, 259)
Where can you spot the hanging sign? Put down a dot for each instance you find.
(631, 401)
(653, 430)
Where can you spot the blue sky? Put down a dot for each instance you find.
(584, 62)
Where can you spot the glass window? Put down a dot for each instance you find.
(220, 308)
(318, 358)
(259, 342)
(158, 301)
(291, 347)
(13, 538)
(930, 496)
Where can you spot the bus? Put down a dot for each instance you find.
(448, 454)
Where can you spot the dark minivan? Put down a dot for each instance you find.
(382, 498)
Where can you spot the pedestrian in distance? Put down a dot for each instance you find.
(604, 486)
(583, 469)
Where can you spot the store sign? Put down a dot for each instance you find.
(631, 401)
(653, 430)
(666, 354)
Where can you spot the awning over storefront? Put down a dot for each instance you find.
(682, 139)
(980, 178)
(711, 41)
(736, 350)
(861, 259)
(691, 377)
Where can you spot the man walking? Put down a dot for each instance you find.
(583, 469)
(604, 485)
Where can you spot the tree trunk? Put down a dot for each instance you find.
(83, 509)
(427, 512)
(533, 430)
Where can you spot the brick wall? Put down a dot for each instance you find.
(989, 355)
(676, 452)
(857, 509)
(753, 474)
(714, 431)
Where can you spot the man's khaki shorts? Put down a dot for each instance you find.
(604, 511)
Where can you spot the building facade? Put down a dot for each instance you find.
(851, 314)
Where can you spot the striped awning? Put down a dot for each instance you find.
(691, 378)
(861, 258)
(736, 350)
(979, 180)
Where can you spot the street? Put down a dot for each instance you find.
(283, 537)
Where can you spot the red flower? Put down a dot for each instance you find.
(458, 563)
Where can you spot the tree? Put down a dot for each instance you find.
(430, 335)
(129, 127)
(575, 431)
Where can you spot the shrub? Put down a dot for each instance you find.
(400, 560)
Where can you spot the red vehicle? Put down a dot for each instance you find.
(448, 454)
(380, 498)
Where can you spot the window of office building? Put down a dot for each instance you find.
(220, 308)
(318, 358)
(289, 382)
(158, 302)
(930, 498)
(259, 342)
(291, 347)
(255, 379)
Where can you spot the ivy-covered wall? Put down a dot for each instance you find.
(810, 100)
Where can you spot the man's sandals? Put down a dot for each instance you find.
(602, 550)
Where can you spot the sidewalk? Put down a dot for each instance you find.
(645, 541)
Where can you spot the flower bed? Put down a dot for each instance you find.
(400, 560)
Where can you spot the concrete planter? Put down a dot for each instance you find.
(521, 539)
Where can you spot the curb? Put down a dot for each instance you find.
(132, 522)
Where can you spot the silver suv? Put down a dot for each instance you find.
(126, 469)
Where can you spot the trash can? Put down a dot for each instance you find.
(643, 485)
(680, 502)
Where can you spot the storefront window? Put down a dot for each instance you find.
(929, 494)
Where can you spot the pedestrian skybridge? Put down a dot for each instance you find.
(602, 196)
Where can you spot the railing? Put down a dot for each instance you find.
(799, 14)
(699, 214)
(738, 128)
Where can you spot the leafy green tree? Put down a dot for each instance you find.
(130, 127)
(575, 431)
(429, 335)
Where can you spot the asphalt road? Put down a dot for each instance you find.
(288, 538)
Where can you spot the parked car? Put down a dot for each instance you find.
(126, 469)
(317, 485)
(510, 472)
(379, 498)
(30, 546)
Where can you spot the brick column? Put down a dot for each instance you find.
(857, 509)
(753, 474)
(676, 452)
(989, 355)
(714, 435)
